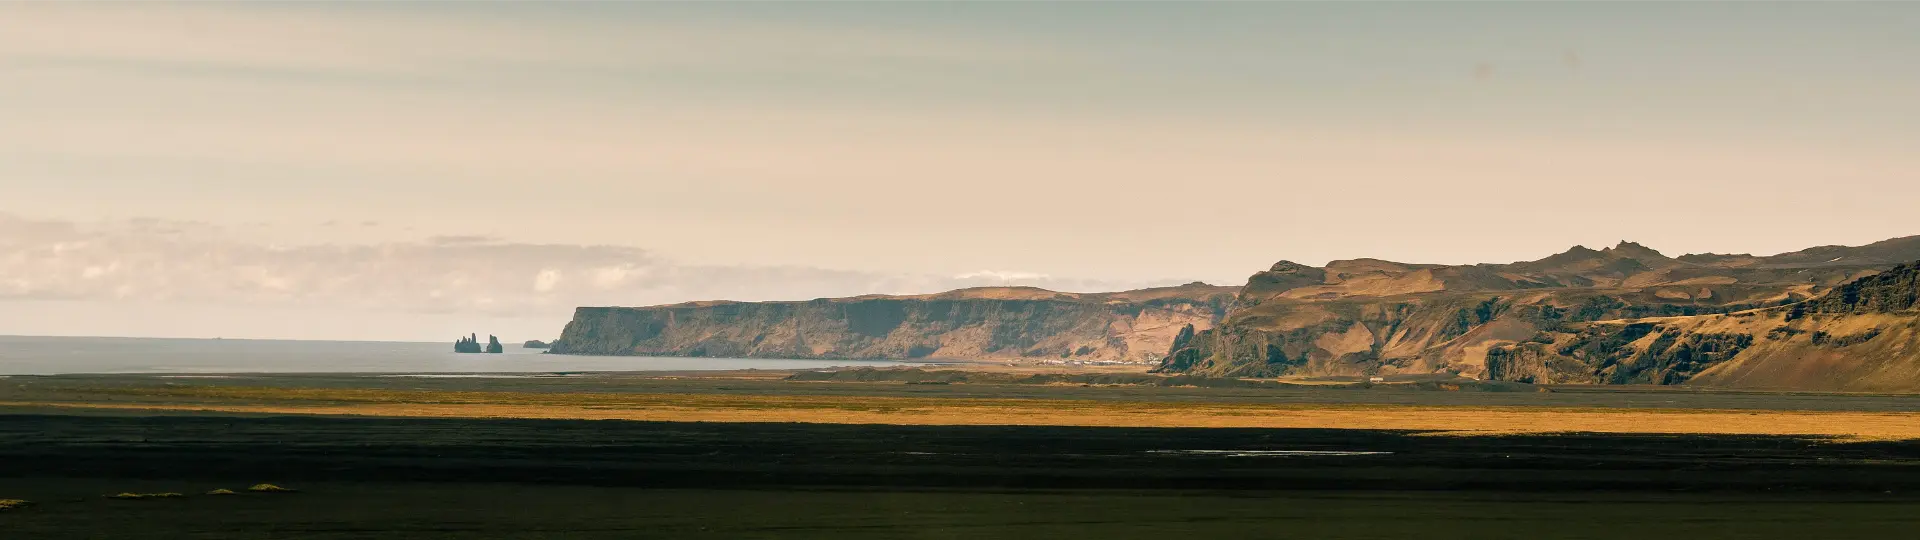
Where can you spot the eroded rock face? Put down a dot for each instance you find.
(1788, 347)
(1893, 291)
(1632, 353)
(1445, 332)
(1622, 315)
(469, 344)
(990, 323)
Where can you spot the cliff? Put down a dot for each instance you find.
(1861, 336)
(982, 323)
(1564, 318)
(467, 345)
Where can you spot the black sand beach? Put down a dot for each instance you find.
(67, 441)
(428, 478)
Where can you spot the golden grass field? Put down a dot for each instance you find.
(684, 407)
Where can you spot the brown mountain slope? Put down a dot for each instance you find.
(982, 323)
(1861, 336)
(1623, 314)
(1385, 318)
(1884, 252)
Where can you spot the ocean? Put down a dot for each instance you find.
(30, 355)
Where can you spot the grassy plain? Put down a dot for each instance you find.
(882, 403)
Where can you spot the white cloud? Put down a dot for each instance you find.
(344, 42)
(1002, 275)
(160, 261)
(611, 276)
(546, 280)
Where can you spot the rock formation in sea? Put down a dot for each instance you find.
(536, 344)
(469, 344)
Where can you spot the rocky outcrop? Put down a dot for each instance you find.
(471, 345)
(1894, 291)
(535, 344)
(987, 323)
(1632, 353)
(1862, 336)
(1622, 315)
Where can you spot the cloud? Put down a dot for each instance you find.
(1002, 275)
(432, 44)
(162, 261)
(546, 280)
(461, 239)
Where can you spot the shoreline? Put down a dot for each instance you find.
(767, 397)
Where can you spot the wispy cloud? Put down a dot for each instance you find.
(462, 239)
(367, 43)
(163, 261)
(1002, 275)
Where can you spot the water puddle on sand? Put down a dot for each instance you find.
(1271, 453)
(476, 376)
(452, 376)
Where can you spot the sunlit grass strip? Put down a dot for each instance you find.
(141, 496)
(685, 407)
(886, 404)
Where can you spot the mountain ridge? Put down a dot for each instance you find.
(1625, 314)
(1546, 320)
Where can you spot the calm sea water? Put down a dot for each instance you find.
(21, 355)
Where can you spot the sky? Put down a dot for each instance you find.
(419, 170)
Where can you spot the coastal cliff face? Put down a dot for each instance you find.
(1862, 336)
(1824, 318)
(985, 323)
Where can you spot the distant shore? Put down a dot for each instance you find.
(767, 396)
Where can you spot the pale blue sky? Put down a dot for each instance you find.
(1110, 143)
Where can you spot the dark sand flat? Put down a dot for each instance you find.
(428, 478)
(66, 441)
(335, 510)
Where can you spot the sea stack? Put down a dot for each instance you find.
(535, 344)
(493, 345)
(469, 344)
